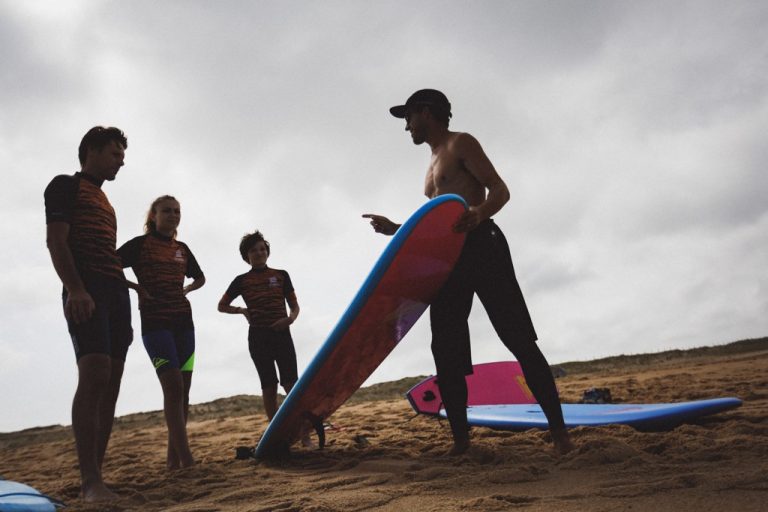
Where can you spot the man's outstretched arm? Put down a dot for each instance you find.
(382, 224)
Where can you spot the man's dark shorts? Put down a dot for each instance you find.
(484, 268)
(269, 348)
(109, 330)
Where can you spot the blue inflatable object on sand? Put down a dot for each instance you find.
(644, 417)
(16, 497)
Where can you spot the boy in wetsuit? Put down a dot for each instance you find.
(81, 236)
(265, 291)
(459, 166)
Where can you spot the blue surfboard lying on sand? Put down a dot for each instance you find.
(402, 284)
(16, 497)
(645, 417)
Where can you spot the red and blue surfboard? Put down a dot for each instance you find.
(403, 282)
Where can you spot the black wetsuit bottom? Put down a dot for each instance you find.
(108, 330)
(271, 348)
(485, 267)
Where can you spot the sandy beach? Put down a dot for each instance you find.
(380, 456)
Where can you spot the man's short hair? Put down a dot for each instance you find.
(98, 137)
(441, 115)
(248, 241)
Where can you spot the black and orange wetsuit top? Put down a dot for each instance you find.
(265, 292)
(79, 201)
(161, 264)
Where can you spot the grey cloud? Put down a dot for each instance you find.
(34, 79)
(549, 275)
(673, 79)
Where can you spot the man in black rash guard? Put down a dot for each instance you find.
(81, 236)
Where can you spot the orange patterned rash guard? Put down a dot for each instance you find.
(265, 292)
(79, 201)
(161, 264)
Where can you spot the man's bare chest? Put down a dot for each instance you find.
(452, 177)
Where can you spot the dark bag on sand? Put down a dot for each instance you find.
(596, 396)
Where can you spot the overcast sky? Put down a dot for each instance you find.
(632, 136)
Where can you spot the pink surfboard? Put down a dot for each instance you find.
(501, 382)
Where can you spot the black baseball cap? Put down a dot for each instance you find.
(431, 97)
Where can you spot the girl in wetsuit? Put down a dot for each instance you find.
(161, 264)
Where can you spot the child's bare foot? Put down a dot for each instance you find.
(178, 466)
(174, 462)
(187, 461)
(307, 442)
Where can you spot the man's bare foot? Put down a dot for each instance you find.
(97, 492)
(562, 441)
(459, 447)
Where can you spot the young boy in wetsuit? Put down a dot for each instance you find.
(265, 291)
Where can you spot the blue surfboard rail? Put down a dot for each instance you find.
(18, 497)
(643, 417)
(369, 285)
(349, 316)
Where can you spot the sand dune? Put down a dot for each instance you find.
(380, 457)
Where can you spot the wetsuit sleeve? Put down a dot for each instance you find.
(236, 288)
(193, 268)
(60, 195)
(287, 284)
(288, 291)
(129, 252)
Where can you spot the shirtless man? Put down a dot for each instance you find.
(81, 237)
(459, 166)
